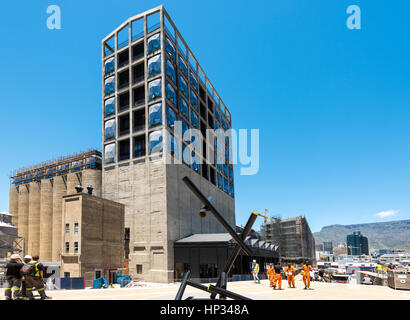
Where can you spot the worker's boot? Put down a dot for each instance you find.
(43, 295)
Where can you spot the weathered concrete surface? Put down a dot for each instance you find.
(46, 220)
(33, 246)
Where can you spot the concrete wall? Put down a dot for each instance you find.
(46, 220)
(58, 192)
(13, 205)
(23, 212)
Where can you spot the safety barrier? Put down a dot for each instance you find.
(69, 283)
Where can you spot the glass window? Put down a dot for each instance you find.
(183, 107)
(231, 193)
(110, 129)
(155, 142)
(226, 186)
(202, 77)
(169, 28)
(109, 85)
(170, 92)
(183, 86)
(184, 126)
(109, 107)
(196, 166)
(194, 120)
(67, 249)
(217, 115)
(230, 173)
(181, 47)
(193, 82)
(154, 43)
(139, 146)
(194, 100)
(172, 144)
(109, 65)
(75, 247)
(109, 155)
(186, 155)
(153, 22)
(182, 66)
(154, 89)
(123, 36)
(170, 70)
(76, 228)
(154, 66)
(209, 89)
(67, 228)
(171, 117)
(137, 29)
(192, 62)
(219, 181)
(155, 115)
(169, 47)
(225, 169)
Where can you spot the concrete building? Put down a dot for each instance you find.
(93, 237)
(295, 239)
(36, 199)
(150, 80)
(357, 244)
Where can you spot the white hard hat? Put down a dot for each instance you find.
(14, 256)
(28, 257)
(254, 260)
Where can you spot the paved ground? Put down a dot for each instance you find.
(328, 291)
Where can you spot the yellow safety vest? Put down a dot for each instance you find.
(255, 268)
(37, 271)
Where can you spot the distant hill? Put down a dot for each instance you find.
(381, 235)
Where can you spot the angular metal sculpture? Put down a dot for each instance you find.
(221, 285)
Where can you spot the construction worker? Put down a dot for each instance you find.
(271, 274)
(13, 277)
(277, 277)
(35, 279)
(290, 275)
(255, 271)
(27, 259)
(306, 275)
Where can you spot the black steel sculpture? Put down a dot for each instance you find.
(221, 284)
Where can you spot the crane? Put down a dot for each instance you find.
(351, 247)
(265, 217)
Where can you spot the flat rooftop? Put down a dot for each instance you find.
(262, 291)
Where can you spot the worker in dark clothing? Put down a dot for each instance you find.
(13, 277)
(36, 280)
(27, 259)
(277, 279)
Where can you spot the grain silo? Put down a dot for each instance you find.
(33, 243)
(46, 220)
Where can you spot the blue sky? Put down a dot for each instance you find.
(332, 104)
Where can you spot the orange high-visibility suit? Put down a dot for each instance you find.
(277, 278)
(271, 274)
(290, 273)
(306, 275)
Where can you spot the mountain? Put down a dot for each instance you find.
(381, 235)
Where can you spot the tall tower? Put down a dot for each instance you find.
(150, 80)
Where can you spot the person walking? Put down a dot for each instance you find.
(35, 279)
(306, 275)
(290, 275)
(271, 274)
(277, 277)
(255, 271)
(13, 277)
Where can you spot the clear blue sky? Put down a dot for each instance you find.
(332, 104)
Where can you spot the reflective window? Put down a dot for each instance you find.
(192, 62)
(170, 93)
(109, 155)
(183, 86)
(225, 169)
(154, 66)
(109, 46)
(109, 85)
(170, 70)
(231, 193)
(109, 107)
(193, 82)
(183, 107)
(155, 142)
(182, 66)
(169, 47)
(155, 115)
(109, 65)
(217, 115)
(169, 28)
(230, 173)
(226, 186)
(184, 126)
(171, 117)
(194, 100)
(201, 77)
(219, 181)
(154, 43)
(196, 166)
(154, 89)
(172, 145)
(181, 47)
(186, 155)
(109, 129)
(194, 120)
